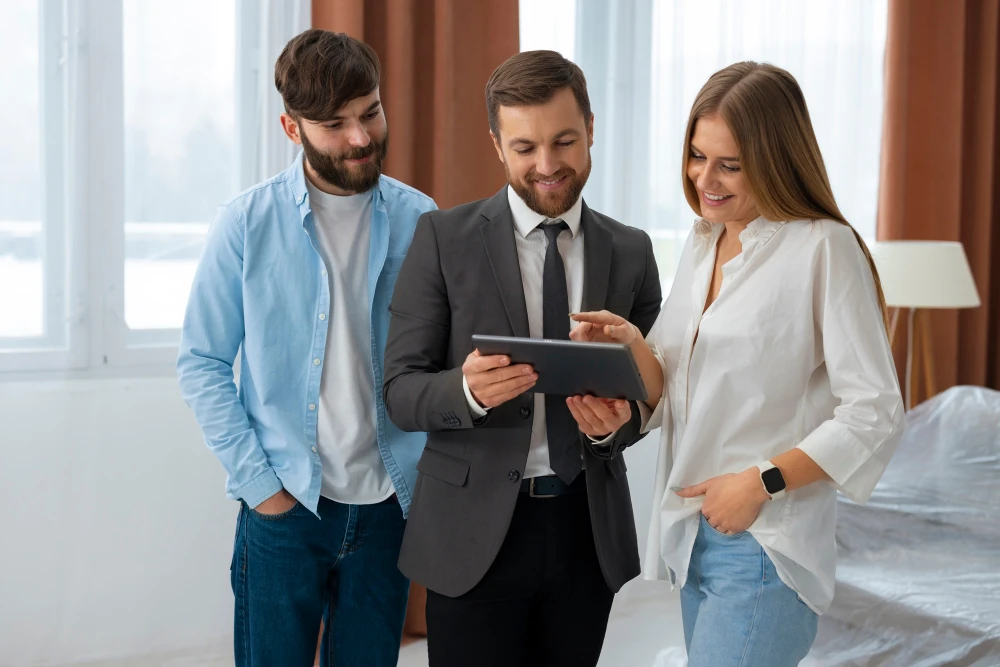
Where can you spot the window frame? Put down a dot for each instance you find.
(83, 209)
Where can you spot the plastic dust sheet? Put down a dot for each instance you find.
(918, 574)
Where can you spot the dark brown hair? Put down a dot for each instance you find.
(766, 112)
(531, 78)
(318, 72)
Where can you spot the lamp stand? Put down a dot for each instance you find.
(927, 352)
(919, 362)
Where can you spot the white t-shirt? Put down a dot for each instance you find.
(347, 440)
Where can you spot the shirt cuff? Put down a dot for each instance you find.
(651, 419)
(603, 441)
(258, 489)
(854, 468)
(474, 407)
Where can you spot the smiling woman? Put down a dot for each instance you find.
(771, 368)
(743, 169)
(713, 167)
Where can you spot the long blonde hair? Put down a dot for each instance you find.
(766, 112)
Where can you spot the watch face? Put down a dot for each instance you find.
(773, 481)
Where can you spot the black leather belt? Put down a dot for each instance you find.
(551, 486)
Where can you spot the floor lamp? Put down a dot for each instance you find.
(920, 275)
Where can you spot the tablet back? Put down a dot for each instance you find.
(569, 368)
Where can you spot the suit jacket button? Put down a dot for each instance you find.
(514, 476)
(525, 411)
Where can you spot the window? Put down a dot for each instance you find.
(645, 61)
(32, 260)
(180, 148)
(125, 124)
(548, 25)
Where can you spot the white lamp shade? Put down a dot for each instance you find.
(925, 274)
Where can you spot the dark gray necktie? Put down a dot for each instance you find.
(561, 428)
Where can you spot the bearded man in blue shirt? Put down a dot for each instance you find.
(297, 274)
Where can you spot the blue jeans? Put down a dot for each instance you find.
(290, 570)
(736, 611)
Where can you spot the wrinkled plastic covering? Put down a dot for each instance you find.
(918, 572)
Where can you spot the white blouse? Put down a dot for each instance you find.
(792, 353)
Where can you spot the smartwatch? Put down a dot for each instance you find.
(771, 478)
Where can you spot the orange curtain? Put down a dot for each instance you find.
(940, 174)
(436, 58)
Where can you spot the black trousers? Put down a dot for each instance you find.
(543, 602)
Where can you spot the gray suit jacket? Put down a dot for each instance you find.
(461, 277)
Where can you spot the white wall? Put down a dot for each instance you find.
(641, 461)
(115, 536)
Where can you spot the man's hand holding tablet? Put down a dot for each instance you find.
(493, 381)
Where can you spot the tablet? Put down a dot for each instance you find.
(570, 368)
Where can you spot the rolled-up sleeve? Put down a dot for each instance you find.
(854, 447)
(653, 419)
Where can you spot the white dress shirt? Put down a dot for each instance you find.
(792, 353)
(346, 436)
(531, 244)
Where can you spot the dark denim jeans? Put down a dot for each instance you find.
(290, 570)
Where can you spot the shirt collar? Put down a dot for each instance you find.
(759, 231)
(297, 178)
(525, 220)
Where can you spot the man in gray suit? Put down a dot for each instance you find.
(521, 525)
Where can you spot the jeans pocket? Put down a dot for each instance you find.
(716, 531)
(279, 516)
(238, 538)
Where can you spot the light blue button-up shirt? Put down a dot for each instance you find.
(261, 286)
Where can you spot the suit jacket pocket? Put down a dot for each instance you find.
(443, 467)
(620, 304)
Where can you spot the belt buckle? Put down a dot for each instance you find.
(532, 494)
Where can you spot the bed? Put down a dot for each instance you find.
(918, 575)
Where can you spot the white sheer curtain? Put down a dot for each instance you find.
(645, 61)
(267, 25)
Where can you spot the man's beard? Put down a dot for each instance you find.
(550, 204)
(357, 178)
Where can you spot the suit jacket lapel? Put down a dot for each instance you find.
(596, 260)
(498, 239)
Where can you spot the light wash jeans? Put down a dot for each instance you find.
(736, 611)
